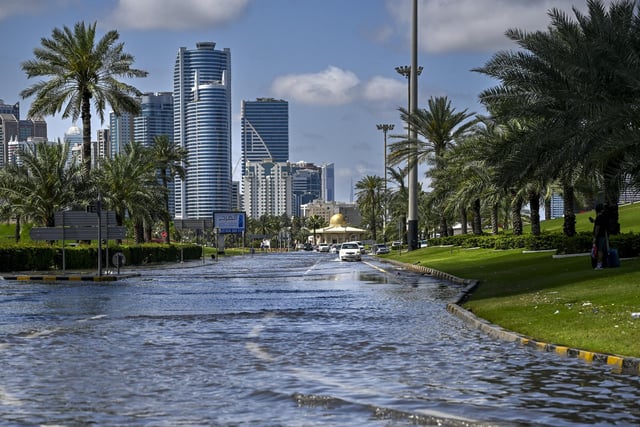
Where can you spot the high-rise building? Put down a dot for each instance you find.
(267, 189)
(120, 131)
(265, 131)
(202, 125)
(10, 109)
(155, 118)
(328, 182)
(8, 132)
(104, 144)
(306, 187)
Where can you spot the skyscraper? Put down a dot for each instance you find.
(265, 131)
(202, 125)
(328, 182)
(155, 119)
(120, 131)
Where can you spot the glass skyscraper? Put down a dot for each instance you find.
(155, 119)
(265, 131)
(202, 125)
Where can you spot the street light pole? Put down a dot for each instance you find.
(412, 72)
(412, 213)
(385, 128)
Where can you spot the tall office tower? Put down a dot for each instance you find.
(265, 131)
(32, 128)
(8, 132)
(267, 189)
(155, 119)
(73, 138)
(120, 131)
(104, 144)
(10, 109)
(306, 187)
(202, 125)
(328, 182)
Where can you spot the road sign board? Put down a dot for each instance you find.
(77, 233)
(84, 219)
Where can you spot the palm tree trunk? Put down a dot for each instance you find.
(477, 218)
(18, 228)
(611, 197)
(494, 218)
(534, 204)
(86, 132)
(444, 231)
(516, 215)
(463, 220)
(569, 225)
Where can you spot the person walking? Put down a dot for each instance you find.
(600, 235)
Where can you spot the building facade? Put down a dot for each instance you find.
(155, 118)
(120, 131)
(265, 131)
(202, 125)
(328, 188)
(267, 189)
(326, 210)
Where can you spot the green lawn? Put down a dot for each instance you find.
(561, 301)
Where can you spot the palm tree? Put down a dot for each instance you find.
(370, 198)
(439, 126)
(577, 79)
(170, 161)
(315, 222)
(81, 70)
(129, 186)
(42, 185)
(399, 200)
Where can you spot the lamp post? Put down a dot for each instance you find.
(385, 128)
(412, 72)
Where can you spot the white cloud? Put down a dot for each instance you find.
(332, 86)
(384, 89)
(474, 25)
(175, 14)
(10, 8)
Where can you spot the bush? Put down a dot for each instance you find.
(42, 257)
(628, 244)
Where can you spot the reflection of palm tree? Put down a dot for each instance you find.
(80, 71)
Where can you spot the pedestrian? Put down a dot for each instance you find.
(600, 235)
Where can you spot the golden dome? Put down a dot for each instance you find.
(337, 220)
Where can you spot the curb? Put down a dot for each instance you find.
(71, 277)
(621, 363)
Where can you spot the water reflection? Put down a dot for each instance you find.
(283, 340)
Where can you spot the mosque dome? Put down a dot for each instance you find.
(337, 220)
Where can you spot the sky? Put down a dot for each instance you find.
(332, 60)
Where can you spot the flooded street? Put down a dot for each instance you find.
(296, 339)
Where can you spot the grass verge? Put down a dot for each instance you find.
(560, 301)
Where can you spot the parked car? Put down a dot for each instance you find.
(350, 251)
(396, 245)
(380, 248)
(361, 246)
(323, 247)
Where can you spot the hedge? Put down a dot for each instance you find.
(43, 257)
(628, 244)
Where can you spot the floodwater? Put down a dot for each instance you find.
(295, 339)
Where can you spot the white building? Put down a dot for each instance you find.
(267, 189)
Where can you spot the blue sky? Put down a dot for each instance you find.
(332, 60)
